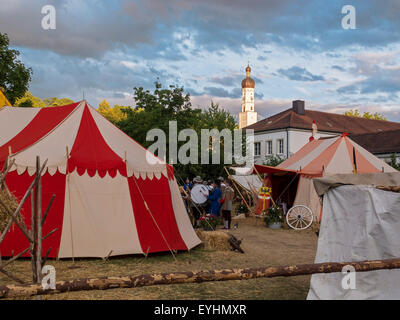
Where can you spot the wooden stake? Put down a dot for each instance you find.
(39, 222)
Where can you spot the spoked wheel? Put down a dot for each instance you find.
(299, 217)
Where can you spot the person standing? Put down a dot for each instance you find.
(186, 191)
(194, 208)
(214, 197)
(188, 185)
(229, 195)
(223, 185)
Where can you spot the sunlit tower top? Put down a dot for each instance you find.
(248, 115)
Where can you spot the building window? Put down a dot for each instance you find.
(268, 147)
(280, 146)
(257, 148)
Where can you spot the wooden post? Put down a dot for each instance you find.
(104, 283)
(38, 222)
(34, 235)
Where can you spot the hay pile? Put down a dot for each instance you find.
(11, 202)
(214, 240)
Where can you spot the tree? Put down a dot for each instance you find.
(155, 110)
(114, 114)
(29, 100)
(14, 76)
(54, 102)
(367, 115)
(393, 162)
(273, 161)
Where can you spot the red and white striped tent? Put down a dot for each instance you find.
(103, 180)
(322, 157)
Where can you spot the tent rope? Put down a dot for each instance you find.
(154, 220)
(279, 198)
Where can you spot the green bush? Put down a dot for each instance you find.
(209, 221)
(274, 215)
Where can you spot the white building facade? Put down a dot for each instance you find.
(282, 143)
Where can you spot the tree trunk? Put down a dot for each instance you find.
(104, 283)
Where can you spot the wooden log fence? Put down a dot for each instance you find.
(104, 283)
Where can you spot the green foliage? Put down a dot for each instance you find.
(242, 208)
(274, 215)
(29, 100)
(367, 115)
(155, 110)
(393, 162)
(14, 76)
(54, 102)
(115, 114)
(273, 161)
(209, 222)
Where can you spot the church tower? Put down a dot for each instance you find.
(247, 116)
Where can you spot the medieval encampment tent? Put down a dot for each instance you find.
(360, 221)
(112, 196)
(292, 179)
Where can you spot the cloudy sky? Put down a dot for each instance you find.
(297, 50)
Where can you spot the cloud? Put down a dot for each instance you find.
(93, 27)
(300, 74)
(338, 68)
(221, 92)
(380, 74)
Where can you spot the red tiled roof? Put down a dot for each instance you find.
(330, 122)
(379, 142)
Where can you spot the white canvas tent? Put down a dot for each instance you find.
(244, 177)
(359, 222)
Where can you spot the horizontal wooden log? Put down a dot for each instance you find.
(104, 283)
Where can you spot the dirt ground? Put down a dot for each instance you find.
(262, 246)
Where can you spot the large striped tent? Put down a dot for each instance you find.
(113, 197)
(322, 157)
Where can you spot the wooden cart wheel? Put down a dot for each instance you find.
(299, 217)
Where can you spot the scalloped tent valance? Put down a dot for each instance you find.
(112, 195)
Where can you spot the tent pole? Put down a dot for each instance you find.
(69, 204)
(237, 189)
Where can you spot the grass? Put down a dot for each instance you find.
(262, 246)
